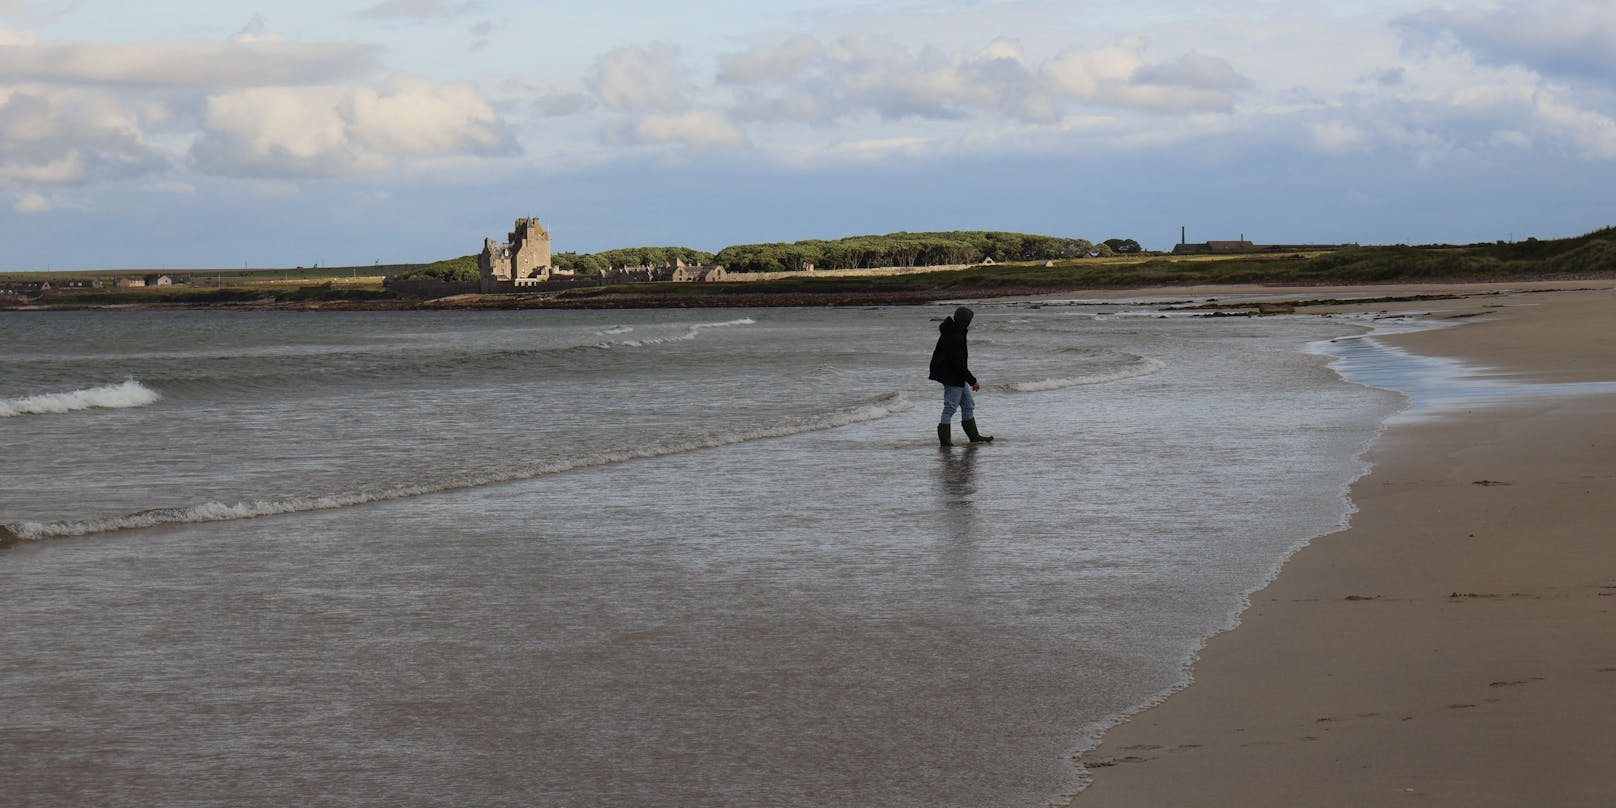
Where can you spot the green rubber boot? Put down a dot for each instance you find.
(942, 435)
(976, 437)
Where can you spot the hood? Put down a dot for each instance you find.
(959, 322)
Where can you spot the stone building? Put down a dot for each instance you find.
(522, 260)
(24, 288)
(1184, 247)
(677, 272)
(695, 273)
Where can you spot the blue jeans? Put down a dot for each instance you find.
(958, 398)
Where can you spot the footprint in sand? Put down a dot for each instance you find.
(1101, 764)
(1514, 682)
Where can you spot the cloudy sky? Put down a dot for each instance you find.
(183, 133)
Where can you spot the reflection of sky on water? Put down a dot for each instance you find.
(1434, 383)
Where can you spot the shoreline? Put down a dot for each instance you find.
(1456, 643)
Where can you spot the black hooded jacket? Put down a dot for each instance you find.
(950, 359)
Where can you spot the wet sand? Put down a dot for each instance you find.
(1456, 646)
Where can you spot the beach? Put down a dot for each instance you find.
(1456, 645)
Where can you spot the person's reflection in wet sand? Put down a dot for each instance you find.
(956, 490)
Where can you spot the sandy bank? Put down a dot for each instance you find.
(1457, 645)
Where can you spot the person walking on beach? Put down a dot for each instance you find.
(950, 365)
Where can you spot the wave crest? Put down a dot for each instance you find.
(111, 396)
(871, 410)
(1141, 367)
(690, 333)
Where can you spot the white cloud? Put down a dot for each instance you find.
(422, 118)
(1337, 137)
(344, 131)
(869, 151)
(697, 130)
(72, 138)
(9, 37)
(651, 93)
(256, 106)
(805, 80)
(420, 9)
(31, 202)
(1591, 133)
(640, 80)
(1119, 76)
(1558, 37)
(259, 60)
(270, 131)
(772, 63)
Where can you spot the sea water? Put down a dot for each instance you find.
(662, 557)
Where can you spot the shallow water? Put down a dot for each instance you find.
(1437, 384)
(585, 558)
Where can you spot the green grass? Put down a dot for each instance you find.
(194, 295)
(1592, 254)
(218, 277)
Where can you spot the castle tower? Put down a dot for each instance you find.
(530, 249)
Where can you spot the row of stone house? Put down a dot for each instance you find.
(36, 288)
(24, 288)
(153, 280)
(679, 272)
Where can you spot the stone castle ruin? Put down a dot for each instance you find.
(522, 260)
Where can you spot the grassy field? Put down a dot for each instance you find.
(212, 286)
(221, 277)
(1591, 255)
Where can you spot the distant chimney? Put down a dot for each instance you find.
(1183, 235)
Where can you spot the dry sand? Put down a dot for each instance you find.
(1456, 646)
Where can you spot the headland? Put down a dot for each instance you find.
(933, 267)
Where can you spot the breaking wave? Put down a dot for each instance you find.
(690, 333)
(112, 396)
(871, 410)
(1140, 367)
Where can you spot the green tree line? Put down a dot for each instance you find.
(905, 250)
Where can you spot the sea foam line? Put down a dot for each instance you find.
(690, 333)
(874, 409)
(111, 396)
(1142, 367)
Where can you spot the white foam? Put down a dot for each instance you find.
(690, 333)
(1142, 367)
(112, 396)
(887, 405)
